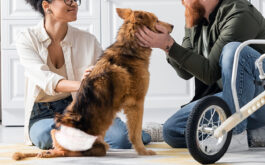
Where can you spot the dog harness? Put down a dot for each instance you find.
(74, 139)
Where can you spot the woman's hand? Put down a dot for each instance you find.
(148, 38)
(87, 72)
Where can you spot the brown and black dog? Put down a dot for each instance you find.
(118, 81)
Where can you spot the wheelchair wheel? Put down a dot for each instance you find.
(206, 116)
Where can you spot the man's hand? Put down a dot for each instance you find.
(87, 72)
(148, 38)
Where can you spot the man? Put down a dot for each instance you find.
(206, 53)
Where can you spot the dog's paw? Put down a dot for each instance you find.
(106, 146)
(147, 152)
(45, 154)
(18, 156)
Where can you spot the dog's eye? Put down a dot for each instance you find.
(141, 17)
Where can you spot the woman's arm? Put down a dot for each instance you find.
(67, 86)
(71, 86)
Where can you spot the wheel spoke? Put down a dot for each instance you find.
(210, 119)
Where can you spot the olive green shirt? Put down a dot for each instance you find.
(232, 20)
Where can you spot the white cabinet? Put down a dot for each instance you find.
(166, 92)
(12, 89)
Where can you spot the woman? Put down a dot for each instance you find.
(56, 57)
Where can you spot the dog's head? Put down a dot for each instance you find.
(137, 19)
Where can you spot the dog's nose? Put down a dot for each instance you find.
(172, 26)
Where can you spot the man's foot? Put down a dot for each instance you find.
(155, 130)
(256, 137)
(239, 142)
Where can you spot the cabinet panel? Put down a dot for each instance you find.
(10, 28)
(12, 81)
(13, 117)
(90, 25)
(12, 89)
(19, 9)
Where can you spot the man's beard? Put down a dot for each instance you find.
(194, 13)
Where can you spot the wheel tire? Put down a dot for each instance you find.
(191, 130)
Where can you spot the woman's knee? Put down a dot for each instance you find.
(120, 141)
(117, 135)
(41, 139)
(40, 133)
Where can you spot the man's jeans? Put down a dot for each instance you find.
(42, 122)
(174, 127)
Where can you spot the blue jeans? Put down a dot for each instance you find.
(174, 127)
(42, 122)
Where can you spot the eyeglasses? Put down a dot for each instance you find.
(70, 2)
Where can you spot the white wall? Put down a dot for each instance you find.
(0, 69)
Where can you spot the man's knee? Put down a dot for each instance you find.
(172, 137)
(227, 55)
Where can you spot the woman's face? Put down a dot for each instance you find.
(62, 12)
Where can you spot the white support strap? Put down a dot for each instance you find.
(74, 139)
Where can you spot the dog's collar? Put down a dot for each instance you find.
(74, 139)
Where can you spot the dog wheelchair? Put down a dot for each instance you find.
(211, 120)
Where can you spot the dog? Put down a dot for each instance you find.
(118, 81)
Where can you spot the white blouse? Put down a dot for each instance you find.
(81, 50)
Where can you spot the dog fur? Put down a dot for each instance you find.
(118, 81)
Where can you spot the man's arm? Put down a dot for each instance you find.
(239, 26)
(185, 44)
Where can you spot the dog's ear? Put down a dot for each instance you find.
(124, 13)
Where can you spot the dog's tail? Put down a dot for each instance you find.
(19, 156)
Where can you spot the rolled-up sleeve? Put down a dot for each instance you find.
(98, 50)
(186, 43)
(208, 69)
(35, 68)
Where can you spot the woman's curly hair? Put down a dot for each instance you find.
(37, 5)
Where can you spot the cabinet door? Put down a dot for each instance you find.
(19, 9)
(10, 28)
(166, 90)
(12, 89)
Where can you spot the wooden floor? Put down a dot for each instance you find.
(11, 140)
